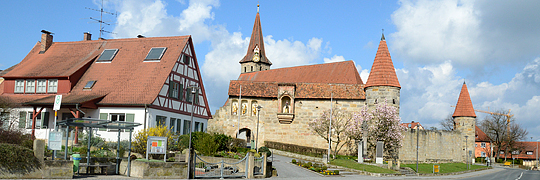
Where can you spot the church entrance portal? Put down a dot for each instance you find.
(245, 134)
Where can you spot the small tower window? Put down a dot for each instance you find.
(251, 68)
(260, 68)
(245, 69)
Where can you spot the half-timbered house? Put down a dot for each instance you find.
(145, 80)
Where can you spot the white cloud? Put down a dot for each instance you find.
(220, 64)
(473, 34)
(335, 58)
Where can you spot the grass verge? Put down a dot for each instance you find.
(363, 167)
(443, 168)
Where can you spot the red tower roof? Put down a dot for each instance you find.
(464, 107)
(382, 72)
(256, 40)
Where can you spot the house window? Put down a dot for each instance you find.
(475, 145)
(53, 85)
(19, 86)
(515, 152)
(155, 54)
(187, 125)
(178, 126)
(172, 123)
(30, 86)
(483, 145)
(4, 117)
(502, 152)
(41, 86)
(107, 55)
(174, 89)
(529, 153)
(186, 59)
(483, 154)
(189, 95)
(118, 117)
(197, 126)
(161, 120)
(89, 85)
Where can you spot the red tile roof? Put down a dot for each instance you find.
(344, 72)
(256, 39)
(127, 80)
(464, 107)
(480, 136)
(302, 90)
(382, 72)
(411, 125)
(524, 147)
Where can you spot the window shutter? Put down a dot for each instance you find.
(130, 117)
(171, 89)
(103, 116)
(22, 119)
(45, 120)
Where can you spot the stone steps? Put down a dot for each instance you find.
(407, 172)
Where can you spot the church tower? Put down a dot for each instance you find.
(255, 59)
(465, 119)
(382, 83)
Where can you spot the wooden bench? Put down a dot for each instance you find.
(101, 167)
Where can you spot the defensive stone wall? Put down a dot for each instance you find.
(270, 129)
(433, 146)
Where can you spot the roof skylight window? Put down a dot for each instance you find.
(107, 55)
(89, 85)
(155, 54)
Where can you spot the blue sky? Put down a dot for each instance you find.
(435, 45)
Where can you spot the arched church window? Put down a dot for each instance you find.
(245, 69)
(254, 105)
(234, 107)
(252, 68)
(394, 101)
(244, 107)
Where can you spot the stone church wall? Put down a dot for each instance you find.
(298, 132)
(434, 146)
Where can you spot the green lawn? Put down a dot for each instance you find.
(363, 167)
(443, 167)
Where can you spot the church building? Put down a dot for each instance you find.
(276, 105)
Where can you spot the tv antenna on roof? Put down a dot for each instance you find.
(100, 20)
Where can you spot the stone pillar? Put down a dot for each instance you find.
(251, 165)
(361, 151)
(39, 149)
(390, 163)
(264, 164)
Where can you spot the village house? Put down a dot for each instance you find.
(144, 80)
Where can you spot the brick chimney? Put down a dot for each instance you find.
(87, 36)
(46, 41)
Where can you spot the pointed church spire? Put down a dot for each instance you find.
(464, 107)
(382, 72)
(256, 44)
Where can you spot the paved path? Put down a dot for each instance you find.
(287, 170)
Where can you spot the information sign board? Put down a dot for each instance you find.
(55, 140)
(156, 145)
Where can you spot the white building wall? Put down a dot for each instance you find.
(152, 113)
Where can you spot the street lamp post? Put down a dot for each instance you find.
(191, 161)
(257, 138)
(466, 152)
(330, 129)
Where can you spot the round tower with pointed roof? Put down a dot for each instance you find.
(465, 119)
(382, 84)
(255, 58)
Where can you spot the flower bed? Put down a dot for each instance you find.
(322, 169)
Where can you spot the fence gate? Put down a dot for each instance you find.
(259, 166)
(221, 169)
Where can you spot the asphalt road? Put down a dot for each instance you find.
(510, 174)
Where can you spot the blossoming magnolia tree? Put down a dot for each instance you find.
(344, 128)
(384, 125)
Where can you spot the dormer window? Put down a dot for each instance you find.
(155, 54)
(107, 55)
(89, 85)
